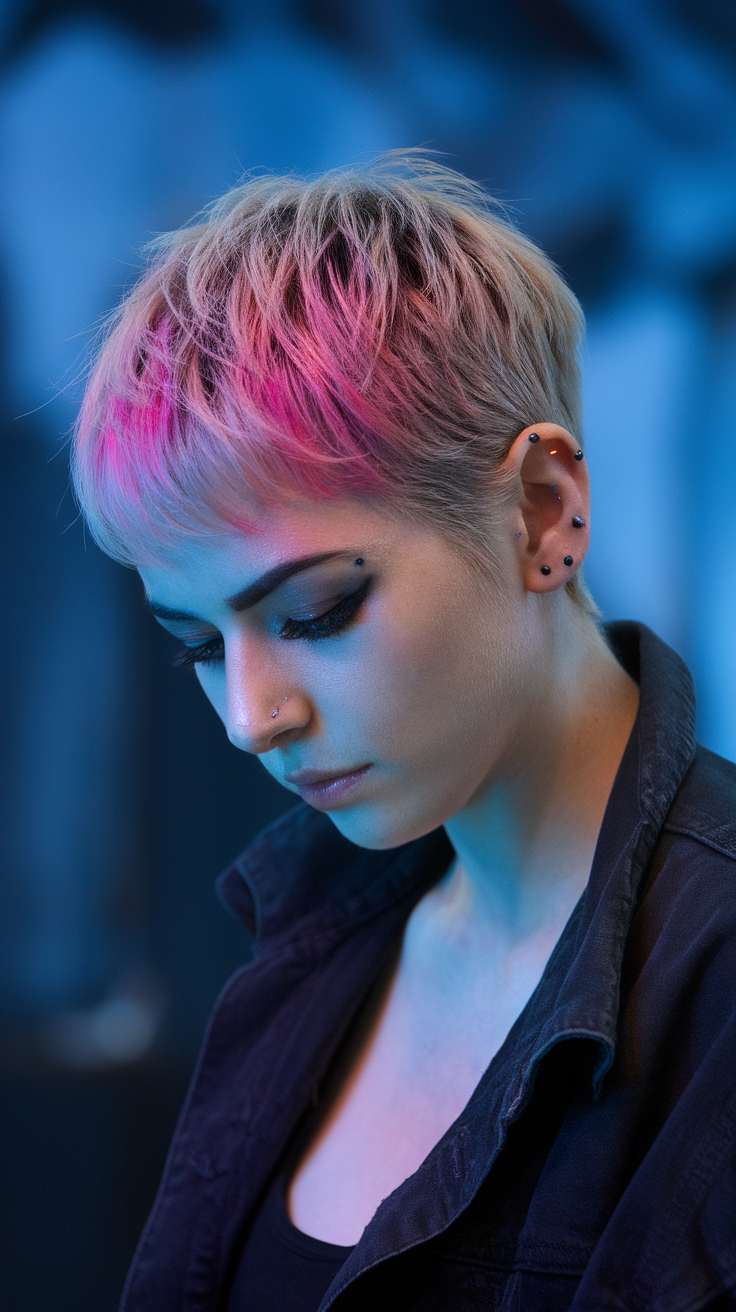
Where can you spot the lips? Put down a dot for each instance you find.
(309, 777)
(325, 790)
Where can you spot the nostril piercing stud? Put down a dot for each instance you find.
(578, 455)
(534, 437)
(577, 522)
(546, 569)
(568, 561)
(274, 713)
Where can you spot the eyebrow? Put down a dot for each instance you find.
(256, 591)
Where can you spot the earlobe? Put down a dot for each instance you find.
(554, 504)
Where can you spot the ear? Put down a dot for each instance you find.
(553, 507)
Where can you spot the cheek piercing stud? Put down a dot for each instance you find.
(534, 437)
(546, 569)
(577, 522)
(578, 455)
(568, 561)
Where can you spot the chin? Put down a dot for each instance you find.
(375, 829)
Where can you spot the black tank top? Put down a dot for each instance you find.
(280, 1267)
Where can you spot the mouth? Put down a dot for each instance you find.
(323, 791)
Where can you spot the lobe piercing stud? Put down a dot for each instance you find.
(578, 455)
(568, 561)
(577, 522)
(546, 569)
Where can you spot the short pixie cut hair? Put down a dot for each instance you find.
(381, 333)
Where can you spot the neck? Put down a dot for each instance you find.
(525, 841)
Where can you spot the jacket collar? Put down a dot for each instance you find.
(660, 750)
(301, 869)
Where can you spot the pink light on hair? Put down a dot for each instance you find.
(378, 334)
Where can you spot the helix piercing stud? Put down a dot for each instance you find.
(568, 561)
(578, 455)
(577, 522)
(534, 437)
(546, 569)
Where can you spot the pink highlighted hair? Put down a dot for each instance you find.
(379, 334)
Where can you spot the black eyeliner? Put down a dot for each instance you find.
(333, 621)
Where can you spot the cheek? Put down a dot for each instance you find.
(426, 683)
(435, 709)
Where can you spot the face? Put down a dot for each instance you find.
(373, 673)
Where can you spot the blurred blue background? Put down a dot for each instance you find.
(610, 131)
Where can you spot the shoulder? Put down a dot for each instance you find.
(681, 949)
(691, 880)
(704, 808)
(678, 979)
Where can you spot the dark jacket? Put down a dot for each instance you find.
(594, 1166)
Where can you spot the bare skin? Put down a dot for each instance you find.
(492, 707)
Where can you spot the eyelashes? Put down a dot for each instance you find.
(205, 654)
(329, 625)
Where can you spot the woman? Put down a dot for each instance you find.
(484, 1054)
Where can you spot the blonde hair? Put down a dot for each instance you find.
(379, 333)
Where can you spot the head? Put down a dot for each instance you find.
(349, 367)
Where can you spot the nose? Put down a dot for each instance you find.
(263, 703)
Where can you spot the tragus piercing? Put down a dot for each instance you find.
(577, 522)
(534, 437)
(568, 561)
(546, 569)
(578, 455)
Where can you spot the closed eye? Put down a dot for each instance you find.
(333, 622)
(207, 653)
